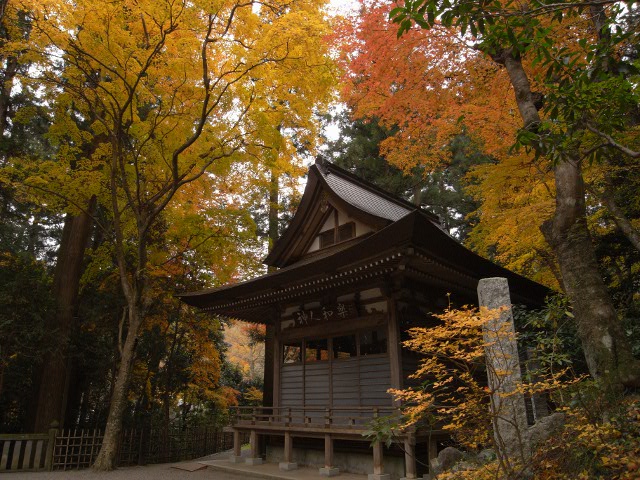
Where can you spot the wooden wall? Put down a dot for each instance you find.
(358, 381)
(292, 385)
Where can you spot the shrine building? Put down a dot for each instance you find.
(356, 269)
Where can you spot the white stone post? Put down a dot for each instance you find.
(503, 370)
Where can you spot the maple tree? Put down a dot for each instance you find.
(433, 100)
(247, 349)
(581, 80)
(151, 96)
(454, 395)
(457, 68)
(444, 191)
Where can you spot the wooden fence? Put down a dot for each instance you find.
(26, 452)
(76, 449)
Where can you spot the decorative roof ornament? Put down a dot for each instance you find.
(321, 163)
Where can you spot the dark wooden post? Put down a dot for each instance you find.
(328, 470)
(410, 470)
(255, 458)
(395, 348)
(288, 463)
(277, 358)
(378, 464)
(51, 447)
(432, 451)
(237, 448)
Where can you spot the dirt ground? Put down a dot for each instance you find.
(150, 472)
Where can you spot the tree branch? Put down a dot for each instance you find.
(613, 143)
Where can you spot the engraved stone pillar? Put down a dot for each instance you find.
(503, 370)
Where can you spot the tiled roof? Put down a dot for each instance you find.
(428, 251)
(363, 198)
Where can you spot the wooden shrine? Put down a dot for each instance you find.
(356, 268)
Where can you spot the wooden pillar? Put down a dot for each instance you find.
(277, 361)
(410, 470)
(255, 458)
(395, 349)
(328, 451)
(237, 448)
(271, 373)
(288, 447)
(378, 463)
(269, 362)
(432, 451)
(328, 470)
(236, 443)
(253, 442)
(288, 463)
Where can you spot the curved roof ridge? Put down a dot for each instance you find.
(388, 203)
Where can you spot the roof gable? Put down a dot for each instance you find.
(332, 189)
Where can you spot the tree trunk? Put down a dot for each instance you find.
(274, 207)
(606, 349)
(66, 283)
(416, 197)
(607, 352)
(106, 459)
(77, 385)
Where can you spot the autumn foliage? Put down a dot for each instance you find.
(430, 85)
(600, 435)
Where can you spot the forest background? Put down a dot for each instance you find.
(151, 148)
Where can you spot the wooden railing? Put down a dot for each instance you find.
(357, 418)
(27, 453)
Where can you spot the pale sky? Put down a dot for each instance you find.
(342, 6)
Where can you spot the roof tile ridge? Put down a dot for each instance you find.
(326, 167)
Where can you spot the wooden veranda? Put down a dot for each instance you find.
(328, 423)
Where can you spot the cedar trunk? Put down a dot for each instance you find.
(52, 392)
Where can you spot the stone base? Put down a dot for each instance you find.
(287, 466)
(234, 459)
(254, 461)
(379, 476)
(347, 462)
(329, 471)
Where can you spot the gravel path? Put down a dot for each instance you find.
(150, 472)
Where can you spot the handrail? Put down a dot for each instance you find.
(310, 416)
(319, 408)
